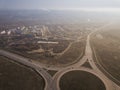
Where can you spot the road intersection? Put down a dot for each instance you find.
(52, 83)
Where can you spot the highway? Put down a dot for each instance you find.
(109, 84)
(27, 62)
(52, 83)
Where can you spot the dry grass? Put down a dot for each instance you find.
(108, 52)
(80, 80)
(18, 77)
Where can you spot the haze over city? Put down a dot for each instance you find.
(58, 4)
(59, 44)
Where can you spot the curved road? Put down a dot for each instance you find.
(27, 62)
(52, 83)
(110, 85)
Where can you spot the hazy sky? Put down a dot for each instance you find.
(58, 4)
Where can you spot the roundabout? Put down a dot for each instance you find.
(80, 80)
(74, 78)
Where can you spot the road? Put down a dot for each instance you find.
(109, 84)
(52, 83)
(27, 62)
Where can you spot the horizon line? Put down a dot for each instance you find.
(76, 9)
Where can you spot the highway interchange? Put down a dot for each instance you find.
(52, 83)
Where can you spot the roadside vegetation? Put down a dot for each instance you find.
(80, 80)
(73, 54)
(52, 72)
(107, 52)
(14, 76)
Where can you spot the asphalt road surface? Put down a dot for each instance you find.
(52, 83)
